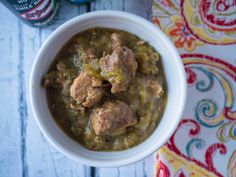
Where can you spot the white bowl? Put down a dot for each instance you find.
(174, 72)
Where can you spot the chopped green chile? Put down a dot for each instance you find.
(115, 75)
(145, 95)
(92, 68)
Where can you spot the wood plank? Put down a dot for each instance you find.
(141, 8)
(108, 5)
(143, 168)
(42, 159)
(11, 109)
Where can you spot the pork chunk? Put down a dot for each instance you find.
(150, 91)
(84, 91)
(112, 118)
(119, 68)
(145, 94)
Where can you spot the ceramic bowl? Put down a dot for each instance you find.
(173, 69)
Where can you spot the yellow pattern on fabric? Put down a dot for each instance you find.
(201, 29)
(178, 163)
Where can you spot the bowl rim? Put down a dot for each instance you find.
(43, 48)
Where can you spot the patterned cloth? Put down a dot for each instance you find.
(204, 143)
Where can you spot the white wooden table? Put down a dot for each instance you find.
(23, 149)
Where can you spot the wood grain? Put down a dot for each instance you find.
(24, 150)
(11, 106)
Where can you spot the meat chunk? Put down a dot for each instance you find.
(116, 40)
(146, 99)
(112, 118)
(119, 68)
(84, 90)
(145, 94)
(150, 90)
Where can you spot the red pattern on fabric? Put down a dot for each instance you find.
(226, 113)
(210, 153)
(181, 174)
(191, 76)
(214, 59)
(205, 8)
(193, 132)
(192, 32)
(163, 170)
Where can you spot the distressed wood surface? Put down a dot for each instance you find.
(24, 151)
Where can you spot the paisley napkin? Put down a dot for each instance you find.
(204, 32)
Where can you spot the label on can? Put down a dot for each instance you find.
(37, 12)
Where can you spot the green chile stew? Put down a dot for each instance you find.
(106, 89)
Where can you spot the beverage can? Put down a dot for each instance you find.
(33, 12)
